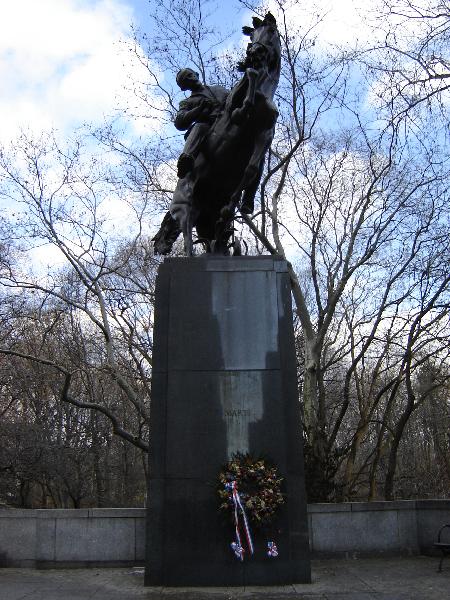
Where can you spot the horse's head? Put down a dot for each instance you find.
(264, 47)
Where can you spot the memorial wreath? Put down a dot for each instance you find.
(259, 486)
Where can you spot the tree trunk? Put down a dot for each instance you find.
(350, 466)
(310, 389)
(393, 453)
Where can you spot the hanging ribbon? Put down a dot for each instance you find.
(272, 549)
(238, 550)
(239, 509)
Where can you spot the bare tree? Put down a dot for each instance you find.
(103, 294)
(354, 195)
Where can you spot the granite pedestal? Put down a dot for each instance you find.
(224, 381)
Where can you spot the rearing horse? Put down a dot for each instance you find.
(228, 168)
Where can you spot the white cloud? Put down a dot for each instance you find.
(62, 63)
(333, 22)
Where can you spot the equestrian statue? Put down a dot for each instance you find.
(228, 135)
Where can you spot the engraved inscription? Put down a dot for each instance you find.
(237, 413)
(242, 404)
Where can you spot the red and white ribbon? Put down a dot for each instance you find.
(239, 510)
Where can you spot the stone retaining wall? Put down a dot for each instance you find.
(116, 536)
(372, 528)
(72, 538)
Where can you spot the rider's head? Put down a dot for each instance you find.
(187, 79)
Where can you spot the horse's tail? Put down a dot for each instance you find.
(166, 236)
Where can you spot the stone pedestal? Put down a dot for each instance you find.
(224, 381)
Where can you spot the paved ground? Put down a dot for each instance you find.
(371, 579)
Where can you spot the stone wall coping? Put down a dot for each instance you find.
(371, 506)
(71, 513)
(384, 505)
(433, 504)
(133, 513)
(329, 507)
(62, 513)
(17, 513)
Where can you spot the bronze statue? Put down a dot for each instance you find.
(221, 165)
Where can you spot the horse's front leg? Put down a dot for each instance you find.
(262, 143)
(187, 234)
(254, 169)
(239, 114)
(182, 209)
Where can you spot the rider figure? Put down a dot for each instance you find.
(196, 115)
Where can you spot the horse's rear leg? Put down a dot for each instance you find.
(166, 236)
(187, 234)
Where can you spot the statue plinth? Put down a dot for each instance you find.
(224, 381)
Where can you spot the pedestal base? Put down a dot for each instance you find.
(224, 381)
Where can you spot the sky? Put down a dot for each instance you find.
(61, 62)
(65, 62)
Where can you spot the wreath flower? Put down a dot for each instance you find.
(259, 488)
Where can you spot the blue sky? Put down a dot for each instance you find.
(224, 10)
(63, 62)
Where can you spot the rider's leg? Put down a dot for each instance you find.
(191, 147)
